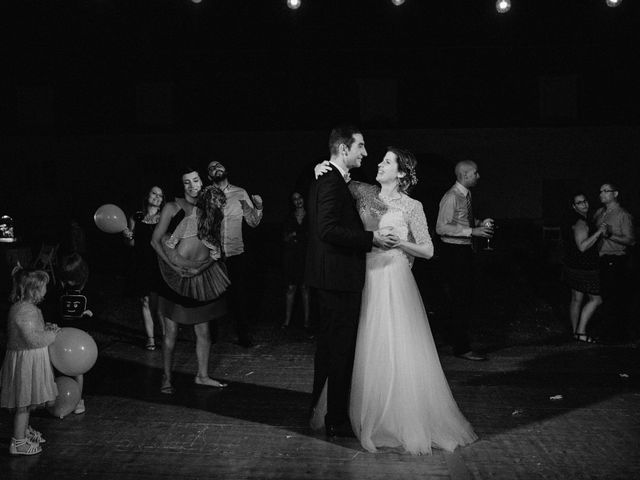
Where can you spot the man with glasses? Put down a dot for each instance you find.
(614, 266)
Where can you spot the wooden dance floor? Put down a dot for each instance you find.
(256, 428)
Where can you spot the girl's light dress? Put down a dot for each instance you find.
(26, 377)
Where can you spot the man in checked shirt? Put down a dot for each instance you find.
(239, 206)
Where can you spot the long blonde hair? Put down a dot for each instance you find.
(211, 202)
(28, 285)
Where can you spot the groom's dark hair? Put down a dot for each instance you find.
(342, 135)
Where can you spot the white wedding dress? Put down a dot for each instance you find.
(399, 395)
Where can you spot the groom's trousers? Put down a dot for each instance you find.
(338, 314)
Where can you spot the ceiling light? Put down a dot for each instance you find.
(503, 6)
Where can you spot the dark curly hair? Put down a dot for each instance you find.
(211, 202)
(407, 165)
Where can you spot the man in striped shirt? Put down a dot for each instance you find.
(456, 226)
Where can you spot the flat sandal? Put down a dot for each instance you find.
(24, 447)
(584, 338)
(34, 436)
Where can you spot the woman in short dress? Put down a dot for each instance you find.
(294, 255)
(146, 274)
(580, 272)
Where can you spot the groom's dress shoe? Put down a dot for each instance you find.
(343, 430)
(473, 356)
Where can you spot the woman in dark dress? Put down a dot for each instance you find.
(580, 271)
(146, 274)
(295, 251)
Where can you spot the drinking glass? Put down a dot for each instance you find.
(488, 223)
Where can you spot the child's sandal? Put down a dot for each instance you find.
(34, 436)
(23, 447)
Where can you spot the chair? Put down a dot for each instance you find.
(47, 259)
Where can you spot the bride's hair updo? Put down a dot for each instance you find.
(407, 165)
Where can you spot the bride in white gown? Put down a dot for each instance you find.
(399, 395)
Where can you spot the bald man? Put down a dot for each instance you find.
(456, 226)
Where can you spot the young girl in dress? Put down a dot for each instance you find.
(27, 380)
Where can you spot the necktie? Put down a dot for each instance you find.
(470, 211)
(347, 177)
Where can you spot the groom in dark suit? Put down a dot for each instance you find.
(335, 269)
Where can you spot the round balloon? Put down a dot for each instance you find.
(74, 351)
(110, 218)
(67, 399)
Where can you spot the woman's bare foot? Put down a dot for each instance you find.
(209, 382)
(166, 386)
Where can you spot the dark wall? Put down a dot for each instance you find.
(526, 176)
(154, 66)
(524, 172)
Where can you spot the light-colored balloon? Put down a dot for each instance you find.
(67, 399)
(74, 352)
(110, 218)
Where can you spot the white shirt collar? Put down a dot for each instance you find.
(341, 170)
(464, 190)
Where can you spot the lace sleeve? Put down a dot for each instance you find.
(366, 197)
(417, 222)
(361, 191)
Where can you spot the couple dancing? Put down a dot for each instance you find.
(377, 372)
(187, 241)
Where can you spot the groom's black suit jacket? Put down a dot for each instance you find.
(337, 239)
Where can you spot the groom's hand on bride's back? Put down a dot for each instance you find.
(321, 168)
(382, 239)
